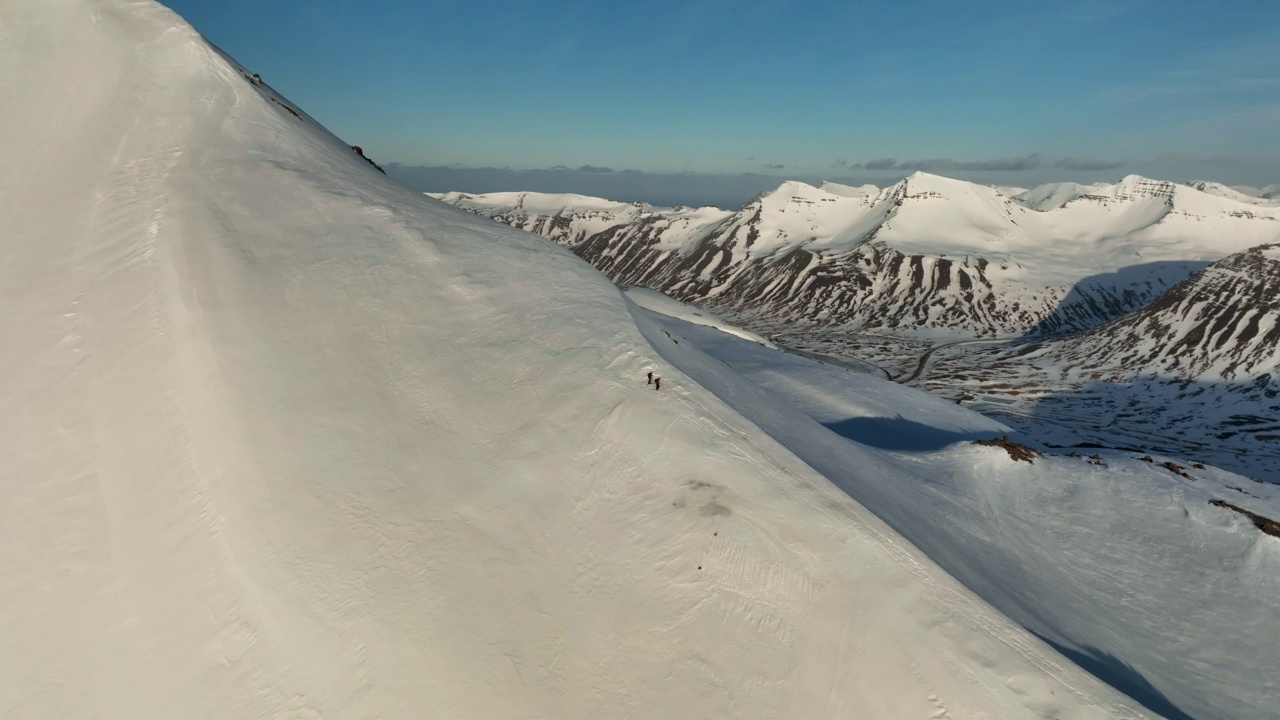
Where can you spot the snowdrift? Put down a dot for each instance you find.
(284, 439)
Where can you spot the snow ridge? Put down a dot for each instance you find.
(1223, 323)
(282, 438)
(927, 255)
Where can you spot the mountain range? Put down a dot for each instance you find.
(928, 256)
(1195, 373)
(282, 438)
(1140, 314)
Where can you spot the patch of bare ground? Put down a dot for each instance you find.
(1016, 450)
(1266, 525)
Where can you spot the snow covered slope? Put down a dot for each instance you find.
(1195, 373)
(927, 255)
(1053, 196)
(1222, 324)
(1253, 196)
(281, 438)
(659, 303)
(1126, 564)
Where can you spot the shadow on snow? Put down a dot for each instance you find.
(1119, 675)
(1235, 426)
(1099, 299)
(898, 433)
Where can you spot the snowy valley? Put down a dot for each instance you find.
(282, 438)
(991, 297)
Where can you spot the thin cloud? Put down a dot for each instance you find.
(1181, 158)
(1075, 163)
(1014, 164)
(769, 166)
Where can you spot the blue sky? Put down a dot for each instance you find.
(993, 90)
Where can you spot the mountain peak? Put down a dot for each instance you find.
(921, 175)
(794, 186)
(925, 182)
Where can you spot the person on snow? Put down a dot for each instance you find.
(657, 383)
(650, 378)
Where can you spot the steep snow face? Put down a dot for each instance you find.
(283, 439)
(928, 255)
(1124, 562)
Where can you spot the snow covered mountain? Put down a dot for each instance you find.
(282, 438)
(1111, 559)
(1221, 324)
(928, 255)
(1267, 196)
(1195, 373)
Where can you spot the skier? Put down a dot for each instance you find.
(650, 382)
(657, 383)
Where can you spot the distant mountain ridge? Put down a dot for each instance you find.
(1221, 324)
(928, 255)
(1195, 373)
(1269, 195)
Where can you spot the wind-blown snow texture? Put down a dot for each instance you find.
(281, 438)
(928, 255)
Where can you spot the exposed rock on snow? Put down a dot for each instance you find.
(1266, 525)
(1016, 450)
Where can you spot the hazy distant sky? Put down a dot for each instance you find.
(1001, 91)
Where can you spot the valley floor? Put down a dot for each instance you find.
(1236, 427)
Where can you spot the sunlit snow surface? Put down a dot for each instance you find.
(1123, 563)
(656, 301)
(281, 438)
(1154, 325)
